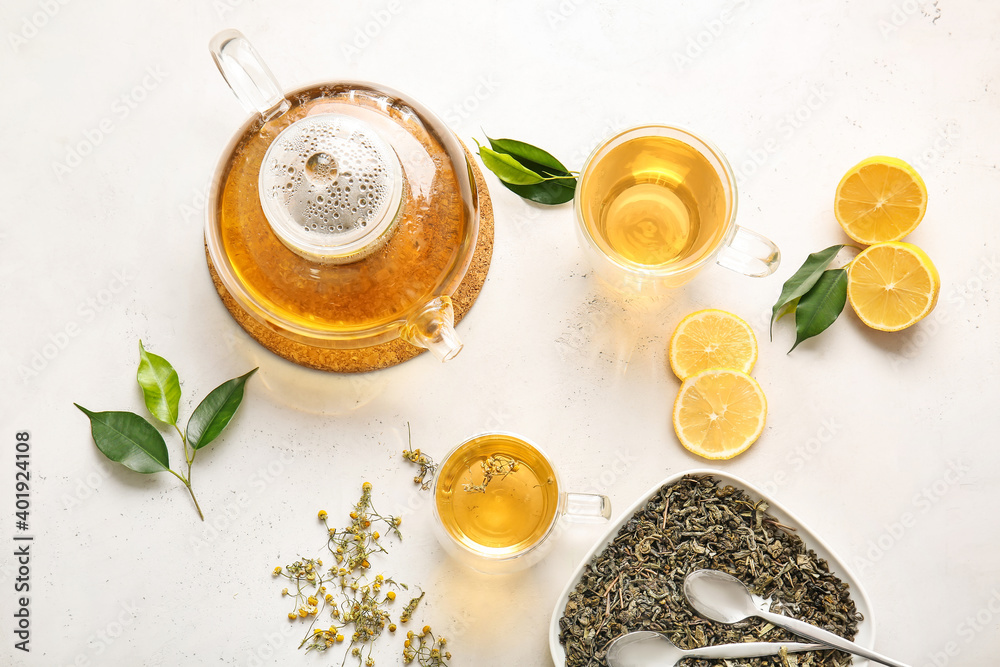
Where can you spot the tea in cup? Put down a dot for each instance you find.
(655, 204)
(497, 499)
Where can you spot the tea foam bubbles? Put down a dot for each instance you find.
(331, 176)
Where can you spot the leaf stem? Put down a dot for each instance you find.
(187, 458)
(196, 505)
(190, 459)
(187, 483)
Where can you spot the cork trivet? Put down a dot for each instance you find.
(386, 354)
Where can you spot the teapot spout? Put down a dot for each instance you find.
(433, 328)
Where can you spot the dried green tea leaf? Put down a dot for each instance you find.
(636, 581)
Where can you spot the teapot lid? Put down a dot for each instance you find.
(331, 188)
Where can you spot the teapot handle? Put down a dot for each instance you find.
(247, 75)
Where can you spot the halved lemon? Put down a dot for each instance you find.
(719, 413)
(711, 339)
(892, 285)
(880, 199)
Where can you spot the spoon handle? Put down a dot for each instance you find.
(751, 649)
(810, 631)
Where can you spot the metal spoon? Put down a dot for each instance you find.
(723, 598)
(644, 648)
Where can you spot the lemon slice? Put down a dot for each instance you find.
(892, 285)
(712, 339)
(880, 199)
(719, 413)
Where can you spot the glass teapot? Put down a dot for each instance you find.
(342, 215)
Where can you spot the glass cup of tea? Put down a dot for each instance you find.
(656, 204)
(498, 500)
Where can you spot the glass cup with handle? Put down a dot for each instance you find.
(498, 502)
(655, 204)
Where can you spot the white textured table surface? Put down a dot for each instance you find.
(113, 119)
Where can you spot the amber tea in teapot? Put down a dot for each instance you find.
(369, 291)
(343, 215)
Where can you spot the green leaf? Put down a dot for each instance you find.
(161, 387)
(549, 193)
(820, 306)
(801, 282)
(527, 152)
(787, 309)
(213, 414)
(554, 184)
(129, 439)
(507, 168)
